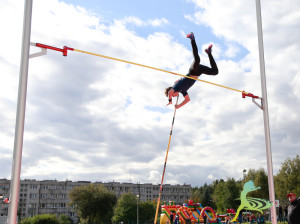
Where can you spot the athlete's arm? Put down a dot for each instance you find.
(185, 101)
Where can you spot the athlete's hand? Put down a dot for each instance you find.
(169, 103)
(177, 106)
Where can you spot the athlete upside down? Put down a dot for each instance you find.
(196, 69)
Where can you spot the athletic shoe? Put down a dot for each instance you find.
(208, 50)
(191, 36)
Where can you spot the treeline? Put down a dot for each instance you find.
(222, 194)
(95, 204)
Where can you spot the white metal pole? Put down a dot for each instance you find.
(266, 113)
(20, 117)
(137, 208)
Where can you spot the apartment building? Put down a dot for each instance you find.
(52, 197)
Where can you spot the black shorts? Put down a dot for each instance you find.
(183, 84)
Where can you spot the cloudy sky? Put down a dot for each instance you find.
(90, 118)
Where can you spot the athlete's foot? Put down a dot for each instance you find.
(191, 36)
(209, 50)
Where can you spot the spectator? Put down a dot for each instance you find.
(240, 218)
(285, 212)
(176, 221)
(280, 214)
(293, 209)
(204, 219)
(171, 217)
(260, 219)
(252, 218)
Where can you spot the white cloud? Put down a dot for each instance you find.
(138, 22)
(158, 22)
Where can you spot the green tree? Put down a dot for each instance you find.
(288, 179)
(260, 179)
(203, 195)
(196, 194)
(225, 195)
(126, 209)
(41, 219)
(64, 219)
(93, 203)
(147, 211)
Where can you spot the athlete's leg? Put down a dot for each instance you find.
(194, 67)
(195, 52)
(214, 67)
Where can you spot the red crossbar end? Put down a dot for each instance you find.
(65, 50)
(48, 47)
(249, 95)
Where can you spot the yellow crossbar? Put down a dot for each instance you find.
(133, 63)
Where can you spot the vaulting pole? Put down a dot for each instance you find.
(165, 165)
(266, 113)
(20, 117)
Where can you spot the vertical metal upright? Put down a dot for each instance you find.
(265, 112)
(20, 117)
(137, 208)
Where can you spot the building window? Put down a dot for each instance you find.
(33, 196)
(32, 205)
(61, 205)
(33, 186)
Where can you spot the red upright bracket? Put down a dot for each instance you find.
(244, 94)
(63, 50)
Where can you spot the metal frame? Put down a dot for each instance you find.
(21, 106)
(20, 117)
(265, 113)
